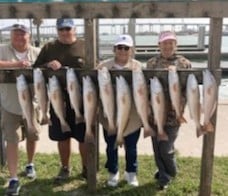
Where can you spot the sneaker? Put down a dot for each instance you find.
(13, 188)
(30, 171)
(156, 175)
(163, 187)
(131, 178)
(113, 179)
(84, 172)
(63, 174)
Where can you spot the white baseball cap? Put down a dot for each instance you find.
(124, 40)
(19, 26)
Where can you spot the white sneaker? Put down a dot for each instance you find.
(113, 179)
(131, 178)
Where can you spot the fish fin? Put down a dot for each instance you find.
(55, 96)
(89, 96)
(38, 86)
(24, 95)
(209, 127)
(162, 136)
(71, 87)
(175, 87)
(158, 99)
(140, 91)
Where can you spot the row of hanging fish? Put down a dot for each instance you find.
(86, 99)
(157, 101)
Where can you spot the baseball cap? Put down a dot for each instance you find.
(19, 26)
(124, 40)
(167, 35)
(64, 22)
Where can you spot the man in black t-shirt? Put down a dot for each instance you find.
(67, 50)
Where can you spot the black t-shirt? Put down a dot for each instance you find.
(72, 55)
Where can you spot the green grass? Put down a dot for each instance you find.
(186, 183)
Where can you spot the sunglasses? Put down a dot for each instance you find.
(65, 29)
(120, 47)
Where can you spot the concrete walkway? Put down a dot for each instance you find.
(187, 143)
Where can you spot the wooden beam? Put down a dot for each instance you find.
(157, 9)
(207, 158)
(9, 75)
(90, 42)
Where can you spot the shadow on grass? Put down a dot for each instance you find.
(76, 186)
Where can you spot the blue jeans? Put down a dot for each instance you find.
(164, 154)
(130, 145)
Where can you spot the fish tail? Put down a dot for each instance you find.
(162, 136)
(182, 119)
(111, 129)
(209, 127)
(89, 137)
(79, 119)
(119, 141)
(44, 120)
(149, 131)
(200, 131)
(65, 127)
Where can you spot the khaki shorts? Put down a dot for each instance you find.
(14, 128)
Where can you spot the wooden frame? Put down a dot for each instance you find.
(154, 9)
(215, 10)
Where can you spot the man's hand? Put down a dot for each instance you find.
(55, 65)
(23, 64)
(172, 68)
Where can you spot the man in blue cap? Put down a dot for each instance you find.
(67, 50)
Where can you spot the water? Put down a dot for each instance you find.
(148, 40)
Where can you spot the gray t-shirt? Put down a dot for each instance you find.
(8, 91)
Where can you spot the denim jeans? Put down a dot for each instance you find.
(130, 145)
(164, 154)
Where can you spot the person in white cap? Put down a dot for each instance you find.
(123, 51)
(164, 151)
(18, 54)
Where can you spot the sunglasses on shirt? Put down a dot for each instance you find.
(120, 47)
(65, 29)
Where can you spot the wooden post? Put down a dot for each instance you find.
(201, 37)
(90, 50)
(2, 145)
(2, 150)
(209, 139)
